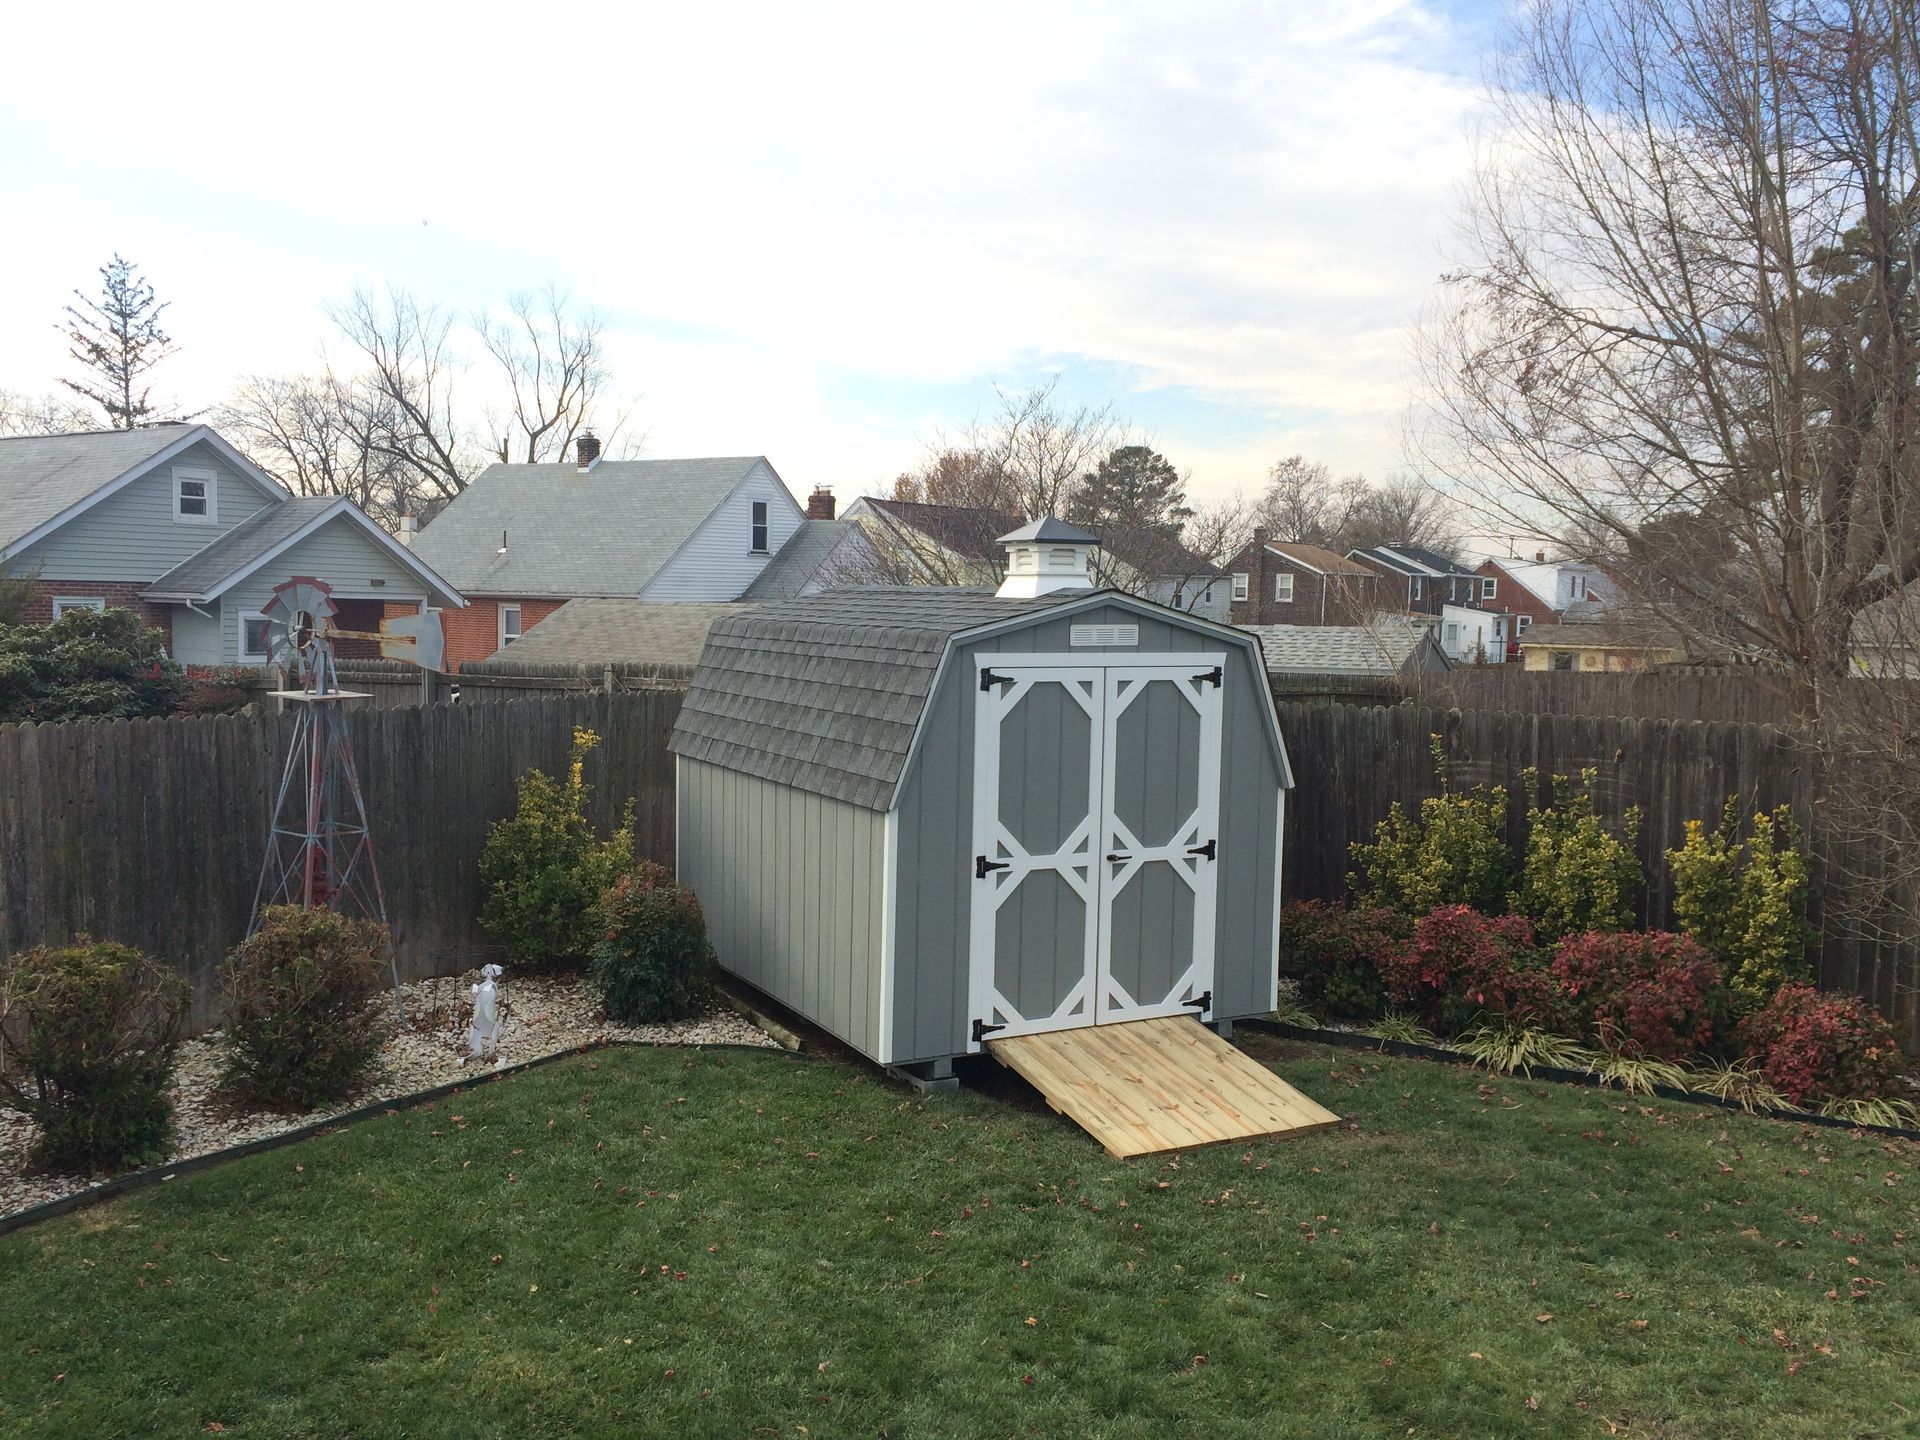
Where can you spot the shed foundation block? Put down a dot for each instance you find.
(927, 1077)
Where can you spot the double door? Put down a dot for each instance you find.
(1096, 840)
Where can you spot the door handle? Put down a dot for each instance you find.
(1206, 849)
(1116, 857)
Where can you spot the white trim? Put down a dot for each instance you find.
(889, 917)
(1081, 660)
(343, 506)
(246, 469)
(64, 603)
(1242, 586)
(209, 483)
(1489, 587)
(240, 639)
(764, 525)
(500, 640)
(1279, 874)
(1278, 598)
(694, 530)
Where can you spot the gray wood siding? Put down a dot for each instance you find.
(716, 563)
(931, 923)
(132, 535)
(792, 888)
(196, 637)
(340, 553)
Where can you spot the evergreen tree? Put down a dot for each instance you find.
(118, 339)
(1134, 488)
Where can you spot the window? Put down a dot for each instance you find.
(1453, 636)
(1239, 586)
(194, 496)
(1283, 589)
(759, 538)
(1563, 659)
(1577, 587)
(1489, 587)
(64, 603)
(509, 625)
(1524, 621)
(254, 639)
(1416, 587)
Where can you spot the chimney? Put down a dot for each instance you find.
(1261, 535)
(1539, 557)
(587, 450)
(409, 528)
(1047, 555)
(820, 504)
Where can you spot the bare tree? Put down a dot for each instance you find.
(1041, 450)
(411, 367)
(1405, 508)
(554, 364)
(324, 435)
(118, 338)
(23, 414)
(1303, 502)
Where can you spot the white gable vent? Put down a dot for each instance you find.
(1106, 635)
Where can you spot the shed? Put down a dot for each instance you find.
(925, 816)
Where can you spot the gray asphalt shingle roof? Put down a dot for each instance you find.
(592, 631)
(1385, 647)
(825, 694)
(808, 552)
(242, 545)
(43, 475)
(605, 532)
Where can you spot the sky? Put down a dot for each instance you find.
(819, 233)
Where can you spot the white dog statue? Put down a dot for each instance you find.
(483, 1035)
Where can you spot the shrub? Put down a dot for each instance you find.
(1655, 996)
(1455, 853)
(219, 690)
(87, 1034)
(1335, 956)
(1463, 964)
(1577, 877)
(1746, 900)
(304, 1000)
(653, 961)
(545, 872)
(87, 665)
(1819, 1047)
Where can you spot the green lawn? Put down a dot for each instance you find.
(732, 1243)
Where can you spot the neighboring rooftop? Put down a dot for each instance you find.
(604, 531)
(810, 557)
(242, 546)
(1387, 646)
(1316, 557)
(42, 476)
(595, 631)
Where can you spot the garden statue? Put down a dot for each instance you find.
(483, 1035)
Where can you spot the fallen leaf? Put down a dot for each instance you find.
(1545, 1318)
(1637, 1324)
(1032, 1321)
(1532, 1402)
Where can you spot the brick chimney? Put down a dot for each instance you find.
(820, 504)
(587, 450)
(1539, 557)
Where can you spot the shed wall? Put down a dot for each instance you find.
(929, 999)
(792, 885)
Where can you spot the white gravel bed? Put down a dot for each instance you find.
(540, 1015)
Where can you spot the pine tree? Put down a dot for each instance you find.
(118, 339)
(1134, 488)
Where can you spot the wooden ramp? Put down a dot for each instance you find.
(1146, 1087)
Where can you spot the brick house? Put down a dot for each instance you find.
(1284, 582)
(173, 523)
(1542, 591)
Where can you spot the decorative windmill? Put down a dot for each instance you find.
(319, 850)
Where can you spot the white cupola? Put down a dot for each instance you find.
(1045, 555)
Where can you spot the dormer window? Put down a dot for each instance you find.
(757, 540)
(194, 496)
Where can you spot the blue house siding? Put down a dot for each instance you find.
(718, 561)
(340, 553)
(133, 535)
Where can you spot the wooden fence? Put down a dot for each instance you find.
(151, 831)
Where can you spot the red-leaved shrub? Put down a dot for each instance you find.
(1813, 1046)
(1655, 995)
(1463, 964)
(1337, 956)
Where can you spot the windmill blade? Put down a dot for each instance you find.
(413, 637)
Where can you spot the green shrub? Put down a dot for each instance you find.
(653, 961)
(1577, 877)
(545, 872)
(87, 1034)
(1455, 853)
(304, 1006)
(87, 665)
(1746, 900)
(1335, 956)
(1821, 1047)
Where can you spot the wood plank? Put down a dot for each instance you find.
(1150, 1087)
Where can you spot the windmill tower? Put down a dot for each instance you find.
(320, 853)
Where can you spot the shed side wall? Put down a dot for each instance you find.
(930, 998)
(792, 888)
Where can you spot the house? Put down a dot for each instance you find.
(592, 631)
(1590, 637)
(1477, 634)
(526, 539)
(922, 544)
(1538, 591)
(1423, 580)
(1387, 646)
(1285, 582)
(939, 771)
(172, 522)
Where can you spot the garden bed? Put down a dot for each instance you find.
(542, 1015)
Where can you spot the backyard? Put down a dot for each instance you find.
(727, 1242)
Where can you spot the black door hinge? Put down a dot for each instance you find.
(1206, 849)
(988, 679)
(981, 1030)
(1213, 677)
(982, 866)
(1202, 1003)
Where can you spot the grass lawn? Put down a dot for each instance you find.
(728, 1243)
